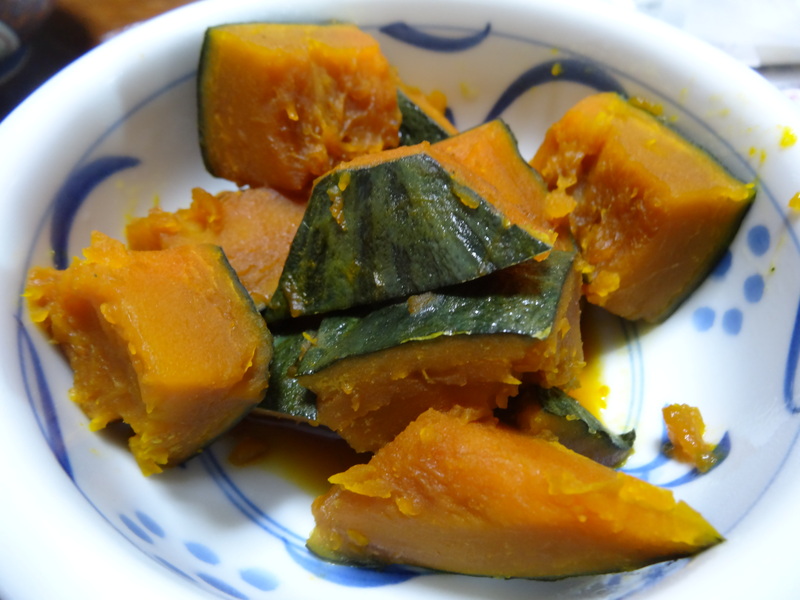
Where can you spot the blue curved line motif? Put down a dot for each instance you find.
(39, 390)
(295, 544)
(71, 196)
(790, 374)
(570, 69)
(403, 32)
(645, 471)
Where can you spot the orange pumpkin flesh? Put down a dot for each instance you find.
(167, 341)
(491, 151)
(254, 227)
(454, 494)
(685, 430)
(369, 399)
(282, 104)
(652, 212)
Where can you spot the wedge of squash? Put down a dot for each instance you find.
(469, 346)
(653, 213)
(553, 414)
(454, 494)
(254, 227)
(281, 104)
(397, 223)
(421, 120)
(167, 341)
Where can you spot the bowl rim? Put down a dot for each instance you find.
(50, 487)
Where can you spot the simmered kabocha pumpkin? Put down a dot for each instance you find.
(470, 346)
(653, 213)
(167, 341)
(422, 117)
(553, 414)
(281, 104)
(454, 494)
(491, 150)
(254, 227)
(396, 223)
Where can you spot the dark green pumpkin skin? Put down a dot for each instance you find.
(285, 397)
(416, 125)
(521, 300)
(576, 427)
(400, 227)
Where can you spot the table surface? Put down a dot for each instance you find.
(72, 28)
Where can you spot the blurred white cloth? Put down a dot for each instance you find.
(760, 33)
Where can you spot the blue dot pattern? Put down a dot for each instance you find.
(258, 579)
(753, 287)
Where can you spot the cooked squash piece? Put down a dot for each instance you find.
(454, 494)
(685, 431)
(491, 150)
(422, 120)
(167, 341)
(653, 213)
(469, 346)
(281, 104)
(254, 227)
(553, 414)
(400, 222)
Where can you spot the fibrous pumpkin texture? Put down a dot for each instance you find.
(167, 341)
(454, 494)
(281, 104)
(652, 213)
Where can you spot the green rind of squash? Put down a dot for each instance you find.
(416, 125)
(285, 397)
(521, 300)
(401, 227)
(579, 430)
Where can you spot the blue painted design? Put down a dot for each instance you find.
(703, 318)
(348, 575)
(259, 579)
(570, 69)
(646, 471)
(723, 265)
(71, 196)
(754, 288)
(40, 398)
(412, 36)
(150, 524)
(202, 552)
(173, 568)
(790, 374)
(222, 586)
(732, 321)
(758, 240)
(296, 544)
(721, 452)
(134, 527)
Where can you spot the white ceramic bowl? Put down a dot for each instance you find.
(116, 130)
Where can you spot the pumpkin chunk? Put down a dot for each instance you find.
(280, 105)
(454, 494)
(167, 341)
(400, 222)
(491, 151)
(254, 227)
(685, 431)
(553, 414)
(653, 213)
(422, 119)
(468, 346)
